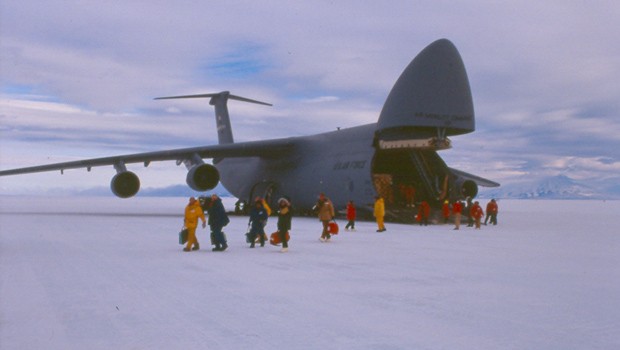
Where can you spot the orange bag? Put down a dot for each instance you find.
(332, 228)
(275, 238)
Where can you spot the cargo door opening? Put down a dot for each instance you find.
(405, 177)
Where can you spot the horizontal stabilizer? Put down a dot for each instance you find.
(232, 97)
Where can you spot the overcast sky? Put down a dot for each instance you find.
(78, 78)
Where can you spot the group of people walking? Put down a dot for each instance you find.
(260, 212)
(218, 219)
(473, 212)
(259, 215)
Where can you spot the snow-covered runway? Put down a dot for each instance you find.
(105, 273)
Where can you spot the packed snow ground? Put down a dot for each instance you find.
(105, 273)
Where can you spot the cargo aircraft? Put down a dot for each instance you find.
(395, 158)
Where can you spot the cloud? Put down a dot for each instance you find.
(82, 77)
(586, 168)
(321, 99)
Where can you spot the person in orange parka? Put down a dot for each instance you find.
(326, 213)
(424, 211)
(457, 208)
(491, 212)
(193, 212)
(477, 213)
(446, 211)
(350, 216)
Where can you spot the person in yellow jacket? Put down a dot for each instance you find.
(379, 213)
(268, 210)
(193, 212)
(266, 206)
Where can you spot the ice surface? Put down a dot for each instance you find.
(106, 273)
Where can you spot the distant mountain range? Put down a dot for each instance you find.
(556, 187)
(170, 191)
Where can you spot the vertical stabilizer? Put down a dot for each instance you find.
(222, 120)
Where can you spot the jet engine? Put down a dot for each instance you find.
(202, 177)
(463, 188)
(125, 184)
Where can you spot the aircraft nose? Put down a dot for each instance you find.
(432, 92)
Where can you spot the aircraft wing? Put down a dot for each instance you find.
(265, 149)
(480, 181)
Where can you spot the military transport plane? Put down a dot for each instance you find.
(395, 158)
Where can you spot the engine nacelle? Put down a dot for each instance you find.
(125, 184)
(464, 188)
(203, 177)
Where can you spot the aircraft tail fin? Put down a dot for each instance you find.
(220, 102)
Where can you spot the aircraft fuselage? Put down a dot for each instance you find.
(337, 163)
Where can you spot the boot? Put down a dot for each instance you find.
(224, 246)
(196, 246)
(217, 248)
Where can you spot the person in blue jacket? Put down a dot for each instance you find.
(217, 220)
(258, 218)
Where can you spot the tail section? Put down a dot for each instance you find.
(222, 120)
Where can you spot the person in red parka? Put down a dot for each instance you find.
(350, 216)
(445, 209)
(408, 193)
(477, 213)
(457, 208)
(491, 212)
(424, 211)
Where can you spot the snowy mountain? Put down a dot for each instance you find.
(555, 187)
(182, 191)
(169, 191)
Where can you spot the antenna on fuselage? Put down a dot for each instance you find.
(219, 101)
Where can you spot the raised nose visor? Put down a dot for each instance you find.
(430, 101)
